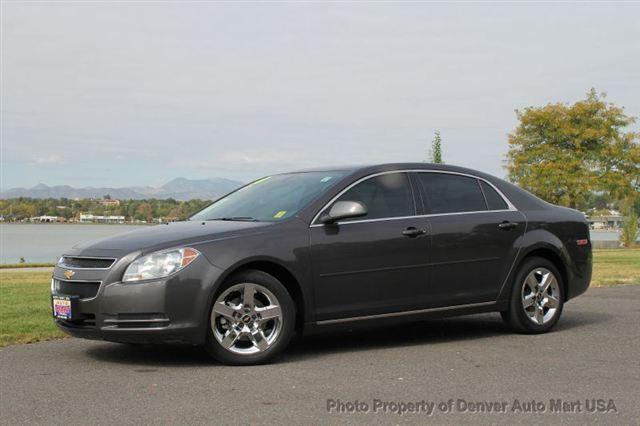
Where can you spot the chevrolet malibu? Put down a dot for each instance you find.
(306, 250)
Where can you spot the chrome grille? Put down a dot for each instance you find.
(87, 262)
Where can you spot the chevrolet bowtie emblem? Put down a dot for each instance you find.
(69, 273)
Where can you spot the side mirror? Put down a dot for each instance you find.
(344, 210)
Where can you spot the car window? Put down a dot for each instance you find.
(494, 200)
(272, 198)
(387, 195)
(449, 193)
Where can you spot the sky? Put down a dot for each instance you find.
(138, 93)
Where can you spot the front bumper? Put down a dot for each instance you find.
(172, 310)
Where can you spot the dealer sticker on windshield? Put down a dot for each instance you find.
(280, 214)
(61, 307)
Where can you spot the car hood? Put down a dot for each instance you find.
(164, 236)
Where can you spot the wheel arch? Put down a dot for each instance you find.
(553, 255)
(278, 271)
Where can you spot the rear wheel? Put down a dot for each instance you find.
(536, 297)
(251, 320)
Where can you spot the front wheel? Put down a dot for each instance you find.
(536, 297)
(251, 320)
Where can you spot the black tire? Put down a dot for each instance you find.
(516, 316)
(287, 330)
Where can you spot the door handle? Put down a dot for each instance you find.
(506, 225)
(413, 232)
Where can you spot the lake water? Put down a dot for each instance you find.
(46, 242)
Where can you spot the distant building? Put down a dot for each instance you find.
(613, 221)
(46, 219)
(167, 219)
(90, 218)
(109, 202)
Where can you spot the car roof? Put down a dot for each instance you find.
(382, 167)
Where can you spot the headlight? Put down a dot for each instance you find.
(159, 264)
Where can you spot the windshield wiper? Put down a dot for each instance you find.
(237, 218)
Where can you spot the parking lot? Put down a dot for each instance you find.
(458, 370)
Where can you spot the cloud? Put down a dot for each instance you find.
(243, 92)
(246, 158)
(52, 159)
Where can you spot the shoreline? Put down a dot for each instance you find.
(25, 269)
(81, 223)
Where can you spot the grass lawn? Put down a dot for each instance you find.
(25, 307)
(611, 267)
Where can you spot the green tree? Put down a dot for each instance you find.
(630, 232)
(144, 212)
(563, 153)
(436, 148)
(22, 208)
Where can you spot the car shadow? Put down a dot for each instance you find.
(425, 332)
(332, 341)
(150, 357)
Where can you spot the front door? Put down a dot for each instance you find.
(373, 264)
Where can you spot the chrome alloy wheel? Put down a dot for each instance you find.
(246, 319)
(540, 296)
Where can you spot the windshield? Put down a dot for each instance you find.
(272, 198)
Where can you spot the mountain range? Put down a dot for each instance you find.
(179, 189)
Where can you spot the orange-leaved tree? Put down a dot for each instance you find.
(563, 152)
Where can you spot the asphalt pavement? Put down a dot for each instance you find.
(459, 370)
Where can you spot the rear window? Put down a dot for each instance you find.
(448, 193)
(494, 200)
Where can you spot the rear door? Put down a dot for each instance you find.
(473, 231)
(372, 265)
